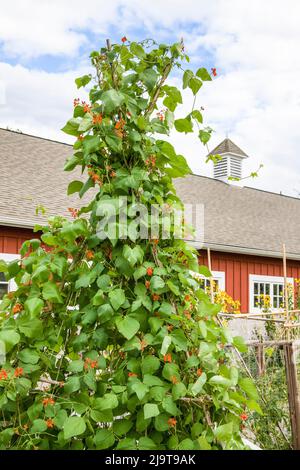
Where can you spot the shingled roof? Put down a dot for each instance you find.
(31, 175)
(237, 219)
(242, 219)
(227, 146)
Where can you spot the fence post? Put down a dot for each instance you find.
(293, 393)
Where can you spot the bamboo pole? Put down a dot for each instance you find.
(254, 342)
(210, 279)
(286, 298)
(275, 320)
(246, 315)
(256, 314)
(251, 317)
(293, 393)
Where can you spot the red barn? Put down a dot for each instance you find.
(243, 227)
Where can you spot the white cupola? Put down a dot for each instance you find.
(230, 164)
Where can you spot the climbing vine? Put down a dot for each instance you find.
(110, 342)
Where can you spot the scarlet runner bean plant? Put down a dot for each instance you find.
(110, 342)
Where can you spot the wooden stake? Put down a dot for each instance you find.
(253, 343)
(245, 316)
(210, 279)
(293, 393)
(252, 315)
(286, 296)
(291, 325)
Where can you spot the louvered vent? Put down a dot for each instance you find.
(221, 168)
(235, 167)
(228, 166)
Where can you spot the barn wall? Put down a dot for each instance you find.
(237, 269)
(11, 239)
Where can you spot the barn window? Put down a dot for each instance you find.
(267, 292)
(218, 280)
(3, 285)
(205, 284)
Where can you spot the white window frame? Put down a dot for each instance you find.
(220, 277)
(8, 257)
(266, 279)
(216, 276)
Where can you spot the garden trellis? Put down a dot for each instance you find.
(273, 365)
(260, 365)
(288, 318)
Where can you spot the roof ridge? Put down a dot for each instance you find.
(245, 187)
(34, 136)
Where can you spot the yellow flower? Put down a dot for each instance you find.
(229, 305)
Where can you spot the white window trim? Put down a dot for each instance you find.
(261, 278)
(8, 257)
(217, 276)
(220, 277)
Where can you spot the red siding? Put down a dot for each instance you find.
(11, 239)
(237, 269)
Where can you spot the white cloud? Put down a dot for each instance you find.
(256, 97)
(2, 93)
(37, 102)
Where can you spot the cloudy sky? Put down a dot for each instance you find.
(255, 99)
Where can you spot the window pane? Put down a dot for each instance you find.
(255, 288)
(261, 288)
(281, 289)
(275, 289)
(205, 284)
(275, 302)
(281, 300)
(2, 277)
(256, 301)
(267, 289)
(3, 290)
(215, 285)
